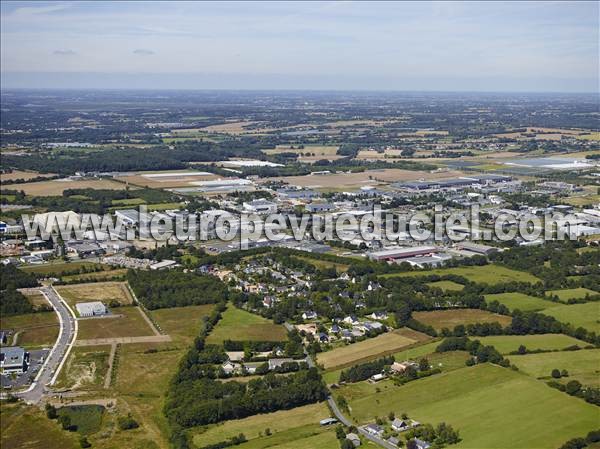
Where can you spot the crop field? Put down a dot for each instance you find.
(439, 319)
(85, 368)
(368, 349)
(486, 274)
(28, 427)
(33, 330)
(107, 292)
(520, 301)
(254, 426)
(100, 275)
(237, 324)
(483, 402)
(129, 323)
(583, 365)
(305, 437)
(447, 286)
(572, 293)
(508, 343)
(586, 315)
(181, 323)
(339, 267)
(36, 298)
(57, 187)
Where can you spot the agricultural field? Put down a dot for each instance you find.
(305, 437)
(253, 427)
(20, 174)
(28, 427)
(57, 187)
(86, 368)
(181, 323)
(447, 286)
(106, 292)
(547, 342)
(482, 402)
(582, 365)
(237, 324)
(572, 293)
(321, 264)
(438, 319)
(368, 349)
(521, 301)
(32, 330)
(36, 298)
(585, 315)
(99, 275)
(127, 322)
(57, 268)
(486, 274)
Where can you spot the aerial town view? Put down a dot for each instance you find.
(300, 225)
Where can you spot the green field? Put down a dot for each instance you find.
(583, 365)
(492, 407)
(586, 315)
(181, 323)
(508, 343)
(60, 267)
(129, 323)
(486, 274)
(520, 301)
(439, 319)
(87, 418)
(237, 324)
(447, 286)
(27, 427)
(254, 426)
(305, 437)
(572, 293)
(33, 330)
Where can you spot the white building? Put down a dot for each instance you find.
(260, 207)
(13, 360)
(88, 309)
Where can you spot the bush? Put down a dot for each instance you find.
(127, 422)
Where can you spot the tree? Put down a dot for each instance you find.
(127, 422)
(522, 350)
(65, 422)
(573, 387)
(411, 444)
(83, 442)
(340, 433)
(346, 444)
(556, 373)
(423, 364)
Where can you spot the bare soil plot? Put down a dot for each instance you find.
(128, 323)
(371, 348)
(174, 178)
(85, 368)
(106, 292)
(439, 319)
(368, 177)
(57, 187)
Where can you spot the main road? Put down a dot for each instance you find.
(68, 332)
(336, 410)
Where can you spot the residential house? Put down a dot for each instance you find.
(400, 425)
(374, 429)
(421, 444)
(379, 315)
(277, 363)
(400, 367)
(354, 439)
(309, 315)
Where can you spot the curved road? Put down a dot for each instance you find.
(66, 337)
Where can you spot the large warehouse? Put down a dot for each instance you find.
(402, 253)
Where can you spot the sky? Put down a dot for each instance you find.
(404, 46)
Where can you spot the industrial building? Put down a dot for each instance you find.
(391, 254)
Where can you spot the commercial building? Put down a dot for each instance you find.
(13, 359)
(260, 207)
(89, 309)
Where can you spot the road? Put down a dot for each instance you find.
(336, 410)
(66, 337)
